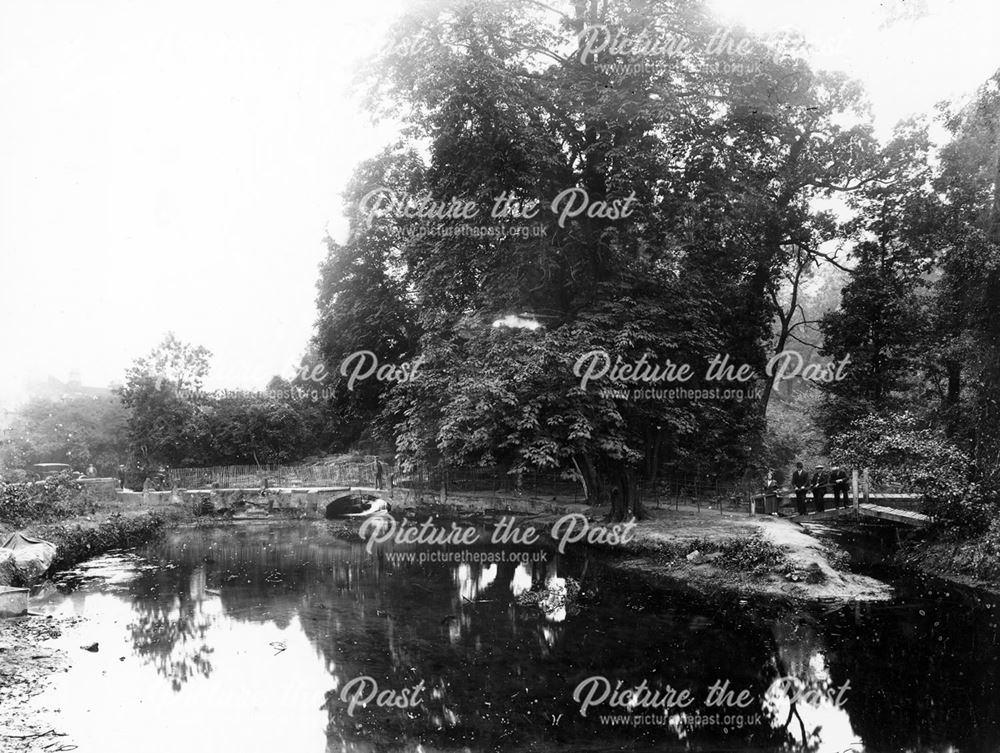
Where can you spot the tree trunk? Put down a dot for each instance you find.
(593, 481)
(625, 502)
(987, 439)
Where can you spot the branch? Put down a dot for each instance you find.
(831, 260)
(800, 341)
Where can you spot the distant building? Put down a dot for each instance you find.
(55, 388)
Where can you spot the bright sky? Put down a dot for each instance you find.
(174, 166)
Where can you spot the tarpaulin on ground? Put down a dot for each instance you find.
(31, 557)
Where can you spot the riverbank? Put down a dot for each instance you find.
(27, 664)
(971, 562)
(84, 537)
(729, 551)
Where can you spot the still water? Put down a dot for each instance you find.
(242, 638)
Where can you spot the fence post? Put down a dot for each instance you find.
(854, 490)
(867, 485)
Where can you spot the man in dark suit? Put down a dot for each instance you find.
(820, 481)
(838, 479)
(800, 483)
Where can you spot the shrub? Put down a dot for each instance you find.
(77, 543)
(55, 497)
(753, 555)
(898, 450)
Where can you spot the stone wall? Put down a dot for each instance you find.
(98, 489)
(311, 503)
(299, 502)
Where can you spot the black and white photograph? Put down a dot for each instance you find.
(473, 376)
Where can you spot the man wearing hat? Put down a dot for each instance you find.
(800, 483)
(820, 481)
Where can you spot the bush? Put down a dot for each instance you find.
(55, 497)
(898, 450)
(753, 555)
(77, 543)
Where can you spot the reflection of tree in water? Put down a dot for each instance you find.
(496, 673)
(802, 699)
(171, 634)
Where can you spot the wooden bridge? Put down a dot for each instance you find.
(895, 508)
(860, 501)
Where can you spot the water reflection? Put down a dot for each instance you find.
(171, 634)
(277, 620)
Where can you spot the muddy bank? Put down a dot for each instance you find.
(27, 664)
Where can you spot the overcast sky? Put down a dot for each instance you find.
(174, 166)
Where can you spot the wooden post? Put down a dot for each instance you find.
(866, 487)
(854, 489)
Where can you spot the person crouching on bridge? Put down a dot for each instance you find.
(820, 481)
(800, 483)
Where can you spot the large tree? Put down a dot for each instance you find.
(713, 173)
(172, 420)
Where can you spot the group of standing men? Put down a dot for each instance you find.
(820, 483)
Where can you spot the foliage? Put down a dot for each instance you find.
(78, 543)
(882, 324)
(880, 327)
(753, 554)
(750, 554)
(920, 316)
(54, 497)
(161, 391)
(722, 172)
(977, 557)
(899, 449)
(172, 421)
(76, 430)
(363, 305)
(792, 433)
